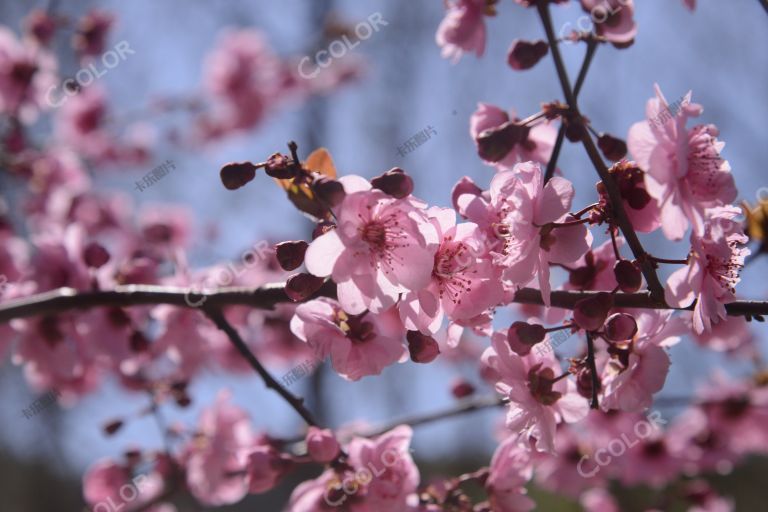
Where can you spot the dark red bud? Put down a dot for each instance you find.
(575, 132)
(112, 427)
(590, 313)
(95, 256)
(235, 175)
(394, 182)
(613, 149)
(638, 198)
(423, 348)
(525, 54)
(521, 336)
(329, 191)
(462, 389)
(494, 144)
(628, 276)
(620, 327)
(584, 382)
(301, 286)
(290, 255)
(281, 167)
(138, 342)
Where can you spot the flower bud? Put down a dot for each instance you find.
(590, 313)
(620, 327)
(494, 144)
(525, 54)
(290, 255)
(301, 286)
(95, 255)
(522, 336)
(329, 191)
(584, 382)
(235, 175)
(113, 426)
(628, 276)
(322, 445)
(462, 389)
(281, 167)
(614, 149)
(423, 348)
(394, 182)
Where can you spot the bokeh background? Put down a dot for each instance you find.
(719, 52)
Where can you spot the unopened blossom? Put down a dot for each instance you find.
(524, 215)
(538, 400)
(712, 273)
(642, 209)
(358, 345)
(686, 173)
(613, 19)
(321, 444)
(527, 143)
(462, 29)
(464, 281)
(638, 367)
(382, 247)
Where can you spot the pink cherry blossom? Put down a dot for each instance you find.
(637, 369)
(510, 470)
(381, 248)
(537, 145)
(462, 29)
(594, 270)
(215, 462)
(358, 345)
(538, 402)
(713, 268)
(27, 73)
(110, 485)
(321, 444)
(464, 281)
(613, 19)
(686, 173)
(526, 213)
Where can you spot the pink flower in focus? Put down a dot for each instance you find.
(322, 445)
(215, 460)
(538, 402)
(381, 248)
(613, 19)
(685, 171)
(464, 281)
(537, 144)
(462, 29)
(359, 345)
(712, 273)
(510, 470)
(525, 213)
(594, 270)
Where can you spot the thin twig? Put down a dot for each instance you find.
(594, 404)
(646, 265)
(218, 318)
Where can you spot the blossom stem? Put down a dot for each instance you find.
(560, 327)
(647, 267)
(531, 118)
(595, 404)
(670, 261)
(218, 318)
(614, 243)
(584, 210)
(570, 223)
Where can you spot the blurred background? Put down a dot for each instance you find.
(404, 87)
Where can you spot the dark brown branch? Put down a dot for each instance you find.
(617, 206)
(218, 318)
(65, 300)
(594, 403)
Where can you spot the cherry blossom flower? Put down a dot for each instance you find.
(637, 369)
(464, 281)
(462, 29)
(510, 470)
(613, 19)
(686, 173)
(381, 248)
(215, 460)
(538, 400)
(525, 215)
(108, 484)
(535, 143)
(713, 269)
(358, 345)
(26, 74)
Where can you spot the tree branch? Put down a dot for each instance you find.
(218, 318)
(646, 265)
(64, 300)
